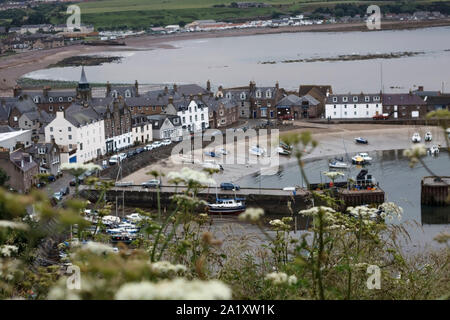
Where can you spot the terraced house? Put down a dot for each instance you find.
(255, 102)
(351, 106)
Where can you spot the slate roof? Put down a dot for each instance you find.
(16, 158)
(360, 97)
(158, 119)
(402, 99)
(6, 128)
(79, 115)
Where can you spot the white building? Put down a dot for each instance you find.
(141, 130)
(194, 115)
(353, 106)
(80, 131)
(9, 140)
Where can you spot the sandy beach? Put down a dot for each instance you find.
(15, 66)
(333, 140)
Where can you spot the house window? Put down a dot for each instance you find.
(335, 99)
(69, 99)
(202, 117)
(50, 99)
(60, 99)
(258, 94)
(154, 108)
(345, 113)
(355, 99)
(367, 106)
(61, 108)
(344, 99)
(51, 129)
(70, 137)
(268, 94)
(367, 99)
(50, 108)
(355, 106)
(243, 96)
(354, 113)
(81, 146)
(69, 129)
(334, 106)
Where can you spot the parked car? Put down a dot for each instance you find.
(229, 186)
(131, 153)
(154, 183)
(40, 184)
(65, 191)
(416, 137)
(382, 116)
(51, 178)
(114, 160)
(140, 150)
(122, 156)
(166, 142)
(148, 147)
(58, 196)
(157, 144)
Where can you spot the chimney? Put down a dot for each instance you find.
(136, 87)
(191, 97)
(200, 96)
(45, 91)
(208, 85)
(277, 85)
(420, 88)
(170, 100)
(252, 85)
(166, 90)
(17, 91)
(108, 88)
(175, 87)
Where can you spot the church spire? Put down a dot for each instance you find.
(83, 79)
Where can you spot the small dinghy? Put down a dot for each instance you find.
(434, 150)
(361, 140)
(338, 164)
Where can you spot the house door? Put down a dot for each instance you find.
(254, 114)
(271, 114)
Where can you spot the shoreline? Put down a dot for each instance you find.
(338, 141)
(15, 66)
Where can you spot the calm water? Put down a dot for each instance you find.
(396, 178)
(236, 60)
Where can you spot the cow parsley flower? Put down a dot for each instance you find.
(6, 250)
(188, 175)
(391, 210)
(277, 277)
(163, 267)
(13, 225)
(251, 214)
(97, 247)
(177, 289)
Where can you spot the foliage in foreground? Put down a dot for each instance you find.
(179, 257)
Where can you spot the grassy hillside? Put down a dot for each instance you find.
(138, 14)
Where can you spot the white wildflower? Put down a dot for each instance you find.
(333, 174)
(80, 167)
(364, 211)
(391, 210)
(416, 151)
(162, 267)
(292, 280)
(251, 214)
(277, 277)
(177, 289)
(6, 250)
(315, 211)
(97, 247)
(277, 223)
(189, 175)
(13, 225)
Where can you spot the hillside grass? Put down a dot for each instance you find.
(138, 14)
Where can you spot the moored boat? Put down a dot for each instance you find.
(434, 150)
(338, 164)
(226, 206)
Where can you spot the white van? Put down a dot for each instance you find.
(113, 160)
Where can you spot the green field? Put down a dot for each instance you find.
(137, 14)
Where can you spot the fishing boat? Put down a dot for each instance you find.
(338, 164)
(358, 160)
(434, 150)
(227, 206)
(283, 151)
(428, 136)
(361, 140)
(257, 151)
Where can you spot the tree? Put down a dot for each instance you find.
(3, 177)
